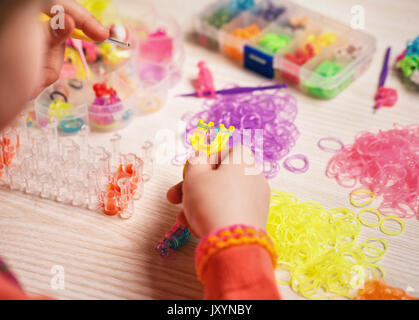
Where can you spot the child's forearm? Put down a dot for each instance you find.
(240, 272)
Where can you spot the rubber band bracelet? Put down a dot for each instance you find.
(235, 235)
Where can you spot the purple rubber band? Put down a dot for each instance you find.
(287, 163)
(327, 149)
(180, 159)
(263, 121)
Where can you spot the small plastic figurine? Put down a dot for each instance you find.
(105, 105)
(106, 96)
(205, 81)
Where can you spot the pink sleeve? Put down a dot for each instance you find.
(240, 273)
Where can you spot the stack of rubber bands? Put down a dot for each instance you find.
(319, 249)
(387, 164)
(274, 113)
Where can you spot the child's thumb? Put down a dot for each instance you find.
(181, 219)
(59, 31)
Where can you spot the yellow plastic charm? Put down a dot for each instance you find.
(209, 139)
(322, 41)
(74, 56)
(112, 54)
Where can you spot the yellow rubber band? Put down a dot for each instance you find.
(370, 210)
(361, 204)
(380, 252)
(375, 267)
(344, 211)
(382, 241)
(388, 232)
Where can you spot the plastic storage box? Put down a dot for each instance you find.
(284, 41)
(113, 104)
(63, 103)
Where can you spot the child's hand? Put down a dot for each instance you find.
(216, 198)
(76, 16)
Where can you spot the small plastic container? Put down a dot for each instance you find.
(260, 53)
(158, 60)
(209, 23)
(296, 45)
(327, 77)
(234, 35)
(113, 100)
(64, 102)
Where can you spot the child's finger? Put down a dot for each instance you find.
(199, 163)
(239, 155)
(175, 194)
(83, 19)
(56, 37)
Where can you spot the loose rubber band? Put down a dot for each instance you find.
(373, 211)
(71, 126)
(374, 267)
(388, 232)
(75, 84)
(287, 163)
(378, 252)
(327, 149)
(361, 204)
(53, 95)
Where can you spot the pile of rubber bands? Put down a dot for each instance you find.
(274, 112)
(318, 248)
(386, 163)
(377, 289)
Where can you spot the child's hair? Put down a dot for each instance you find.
(7, 7)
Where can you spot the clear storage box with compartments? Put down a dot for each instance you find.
(284, 41)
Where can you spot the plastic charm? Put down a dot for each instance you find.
(205, 81)
(209, 138)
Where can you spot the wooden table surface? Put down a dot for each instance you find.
(109, 258)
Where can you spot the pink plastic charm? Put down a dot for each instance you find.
(157, 47)
(205, 81)
(386, 97)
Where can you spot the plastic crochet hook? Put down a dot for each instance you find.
(238, 90)
(386, 97)
(80, 35)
